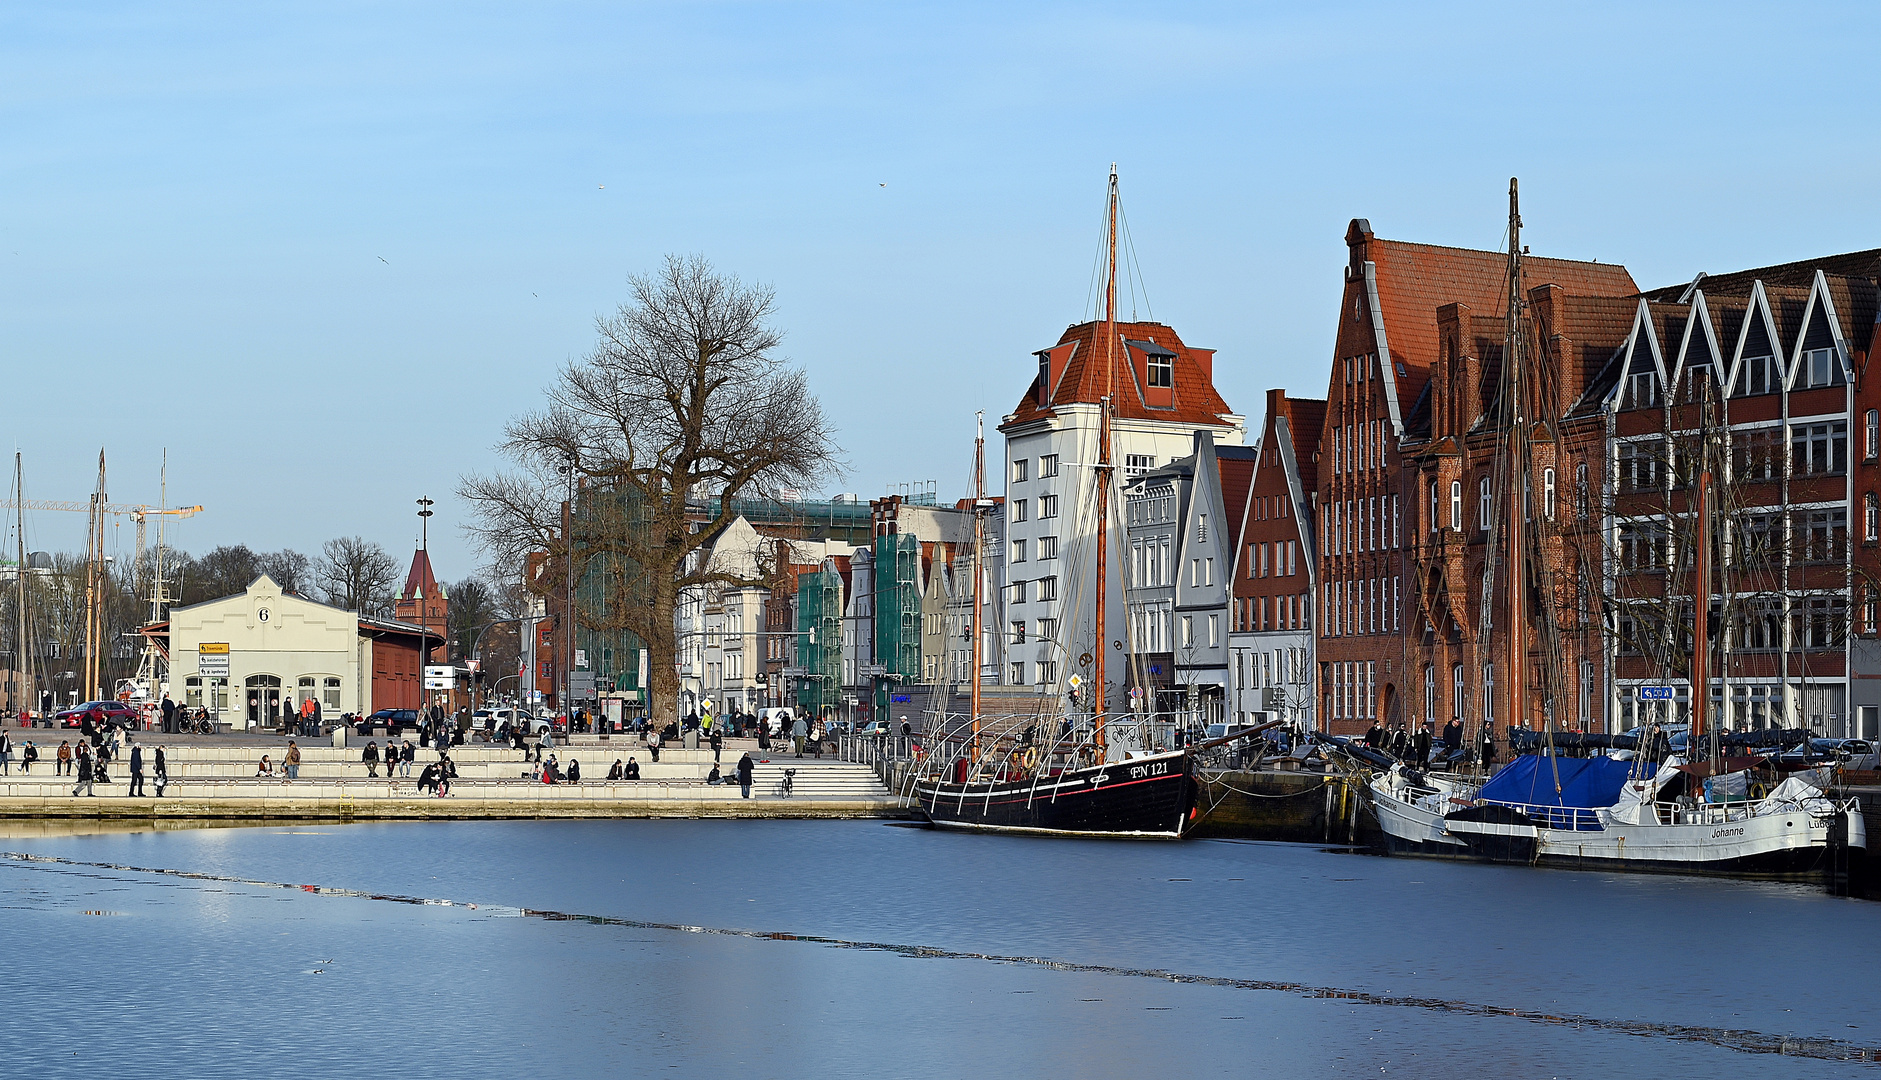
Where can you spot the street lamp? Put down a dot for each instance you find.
(424, 620)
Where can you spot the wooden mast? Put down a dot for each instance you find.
(94, 587)
(979, 503)
(21, 663)
(1515, 384)
(1100, 629)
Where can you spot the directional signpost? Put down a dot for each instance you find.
(212, 659)
(1655, 693)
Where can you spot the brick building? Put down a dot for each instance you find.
(1410, 409)
(1271, 616)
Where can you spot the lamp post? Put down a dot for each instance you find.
(568, 606)
(424, 621)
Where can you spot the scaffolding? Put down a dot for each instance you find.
(819, 641)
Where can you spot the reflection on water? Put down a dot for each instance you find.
(791, 948)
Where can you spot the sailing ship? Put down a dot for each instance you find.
(1642, 813)
(1057, 771)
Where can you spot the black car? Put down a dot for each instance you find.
(392, 720)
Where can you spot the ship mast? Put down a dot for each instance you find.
(1100, 631)
(21, 663)
(1701, 618)
(1517, 506)
(979, 507)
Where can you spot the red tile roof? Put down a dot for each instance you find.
(1196, 401)
(420, 577)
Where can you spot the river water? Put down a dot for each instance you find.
(810, 949)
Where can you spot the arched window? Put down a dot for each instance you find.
(1458, 702)
(1436, 520)
(1456, 505)
(1547, 494)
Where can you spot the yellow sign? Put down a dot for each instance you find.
(213, 648)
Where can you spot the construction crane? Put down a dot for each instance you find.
(138, 513)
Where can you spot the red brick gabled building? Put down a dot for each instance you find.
(1413, 380)
(1271, 614)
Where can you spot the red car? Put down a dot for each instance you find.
(112, 710)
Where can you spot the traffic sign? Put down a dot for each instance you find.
(440, 677)
(1655, 693)
(212, 659)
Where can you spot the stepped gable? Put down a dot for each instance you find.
(1078, 364)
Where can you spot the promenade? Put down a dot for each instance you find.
(213, 777)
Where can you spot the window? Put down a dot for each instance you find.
(1018, 592)
(1018, 551)
(1643, 389)
(1201, 528)
(1292, 550)
(1047, 672)
(1819, 449)
(1821, 618)
(1757, 376)
(1137, 464)
(1048, 506)
(1018, 470)
(1253, 569)
(1587, 693)
(330, 694)
(1047, 466)
(1188, 631)
(1047, 547)
(1047, 589)
(1018, 672)
(1018, 633)
(1214, 629)
(306, 689)
(1489, 693)
(1208, 571)
(1638, 466)
(1820, 368)
(1436, 517)
(1397, 538)
(1047, 629)
(1458, 702)
(1870, 518)
(1430, 693)
(1821, 535)
(1017, 511)
(1581, 494)
(1456, 505)
(1162, 369)
(1484, 503)
(1547, 494)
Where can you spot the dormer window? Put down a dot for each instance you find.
(1162, 370)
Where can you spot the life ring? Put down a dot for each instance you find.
(1758, 791)
(1029, 759)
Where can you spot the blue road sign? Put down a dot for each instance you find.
(1655, 693)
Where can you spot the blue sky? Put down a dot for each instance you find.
(322, 252)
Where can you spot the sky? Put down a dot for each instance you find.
(321, 253)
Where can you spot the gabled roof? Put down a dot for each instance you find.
(1196, 400)
(1800, 274)
(1411, 281)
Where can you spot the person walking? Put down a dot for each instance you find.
(371, 757)
(161, 770)
(1420, 745)
(6, 754)
(84, 771)
(406, 756)
(137, 773)
(290, 762)
(62, 765)
(799, 731)
(745, 770)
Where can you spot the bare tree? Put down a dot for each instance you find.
(682, 407)
(356, 574)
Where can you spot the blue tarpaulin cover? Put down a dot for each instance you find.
(1586, 784)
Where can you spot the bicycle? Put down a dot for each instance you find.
(787, 784)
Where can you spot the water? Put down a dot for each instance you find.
(663, 948)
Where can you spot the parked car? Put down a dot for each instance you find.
(392, 720)
(876, 727)
(113, 711)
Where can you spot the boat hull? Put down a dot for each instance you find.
(1144, 798)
